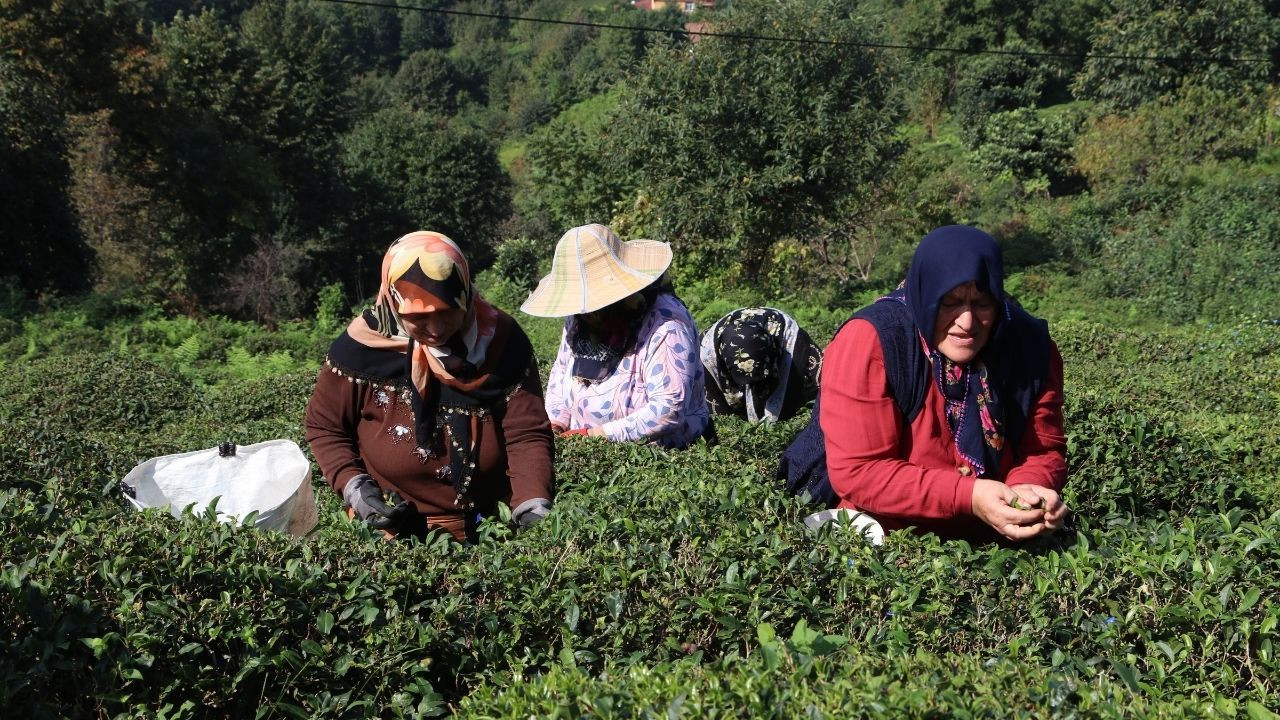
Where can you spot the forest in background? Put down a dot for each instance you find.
(238, 157)
(193, 199)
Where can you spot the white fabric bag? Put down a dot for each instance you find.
(856, 520)
(272, 477)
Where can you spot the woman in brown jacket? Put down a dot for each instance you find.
(429, 409)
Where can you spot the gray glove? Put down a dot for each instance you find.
(531, 511)
(371, 505)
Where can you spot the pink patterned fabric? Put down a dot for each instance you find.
(655, 393)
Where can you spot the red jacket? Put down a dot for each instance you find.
(912, 475)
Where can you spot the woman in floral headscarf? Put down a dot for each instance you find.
(429, 408)
(761, 365)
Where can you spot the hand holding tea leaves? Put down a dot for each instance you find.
(1020, 512)
(380, 511)
(1055, 511)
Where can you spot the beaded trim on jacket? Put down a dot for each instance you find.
(477, 414)
(361, 379)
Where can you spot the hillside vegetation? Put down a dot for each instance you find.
(196, 195)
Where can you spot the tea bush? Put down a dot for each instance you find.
(89, 391)
(664, 583)
(797, 680)
(1202, 253)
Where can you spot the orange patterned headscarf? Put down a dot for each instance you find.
(425, 271)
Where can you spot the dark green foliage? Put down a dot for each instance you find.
(1027, 146)
(1204, 255)
(663, 584)
(573, 177)
(167, 148)
(43, 249)
(543, 69)
(662, 580)
(1061, 28)
(518, 260)
(1215, 32)
(787, 675)
(370, 38)
(769, 141)
(428, 81)
(1157, 143)
(1133, 463)
(303, 66)
(164, 11)
(423, 31)
(417, 172)
(237, 154)
(995, 84)
(92, 392)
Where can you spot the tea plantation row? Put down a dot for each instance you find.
(664, 584)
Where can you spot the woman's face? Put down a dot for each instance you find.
(965, 318)
(433, 328)
(599, 319)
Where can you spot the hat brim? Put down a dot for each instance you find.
(571, 292)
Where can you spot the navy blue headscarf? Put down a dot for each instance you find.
(947, 258)
(988, 400)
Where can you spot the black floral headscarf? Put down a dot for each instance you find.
(749, 345)
(748, 355)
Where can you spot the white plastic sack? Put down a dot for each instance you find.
(272, 478)
(856, 520)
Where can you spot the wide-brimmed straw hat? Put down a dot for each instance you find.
(593, 268)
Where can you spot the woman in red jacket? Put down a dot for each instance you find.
(941, 404)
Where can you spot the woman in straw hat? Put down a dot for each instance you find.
(429, 408)
(628, 364)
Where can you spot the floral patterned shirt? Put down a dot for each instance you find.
(655, 393)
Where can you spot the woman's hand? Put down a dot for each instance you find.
(1055, 511)
(993, 503)
(577, 432)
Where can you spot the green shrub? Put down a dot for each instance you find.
(1124, 461)
(85, 391)
(332, 310)
(1156, 142)
(156, 611)
(1027, 146)
(995, 83)
(518, 260)
(1201, 257)
(781, 681)
(9, 328)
